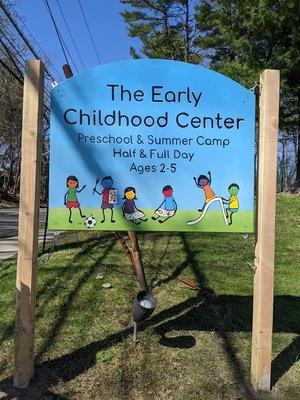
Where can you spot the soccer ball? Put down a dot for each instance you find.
(90, 222)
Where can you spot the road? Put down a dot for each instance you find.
(9, 229)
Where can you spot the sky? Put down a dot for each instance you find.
(106, 24)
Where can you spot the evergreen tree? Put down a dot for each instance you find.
(244, 37)
(239, 38)
(166, 28)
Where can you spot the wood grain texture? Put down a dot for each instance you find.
(263, 295)
(28, 222)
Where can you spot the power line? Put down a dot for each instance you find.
(26, 41)
(21, 81)
(12, 43)
(10, 17)
(60, 38)
(30, 47)
(76, 48)
(11, 80)
(14, 60)
(32, 37)
(56, 29)
(11, 57)
(88, 28)
(11, 72)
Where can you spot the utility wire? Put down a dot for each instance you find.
(11, 72)
(10, 17)
(10, 41)
(24, 38)
(8, 52)
(14, 60)
(20, 80)
(21, 67)
(70, 33)
(56, 30)
(60, 38)
(46, 58)
(88, 28)
(7, 76)
(30, 47)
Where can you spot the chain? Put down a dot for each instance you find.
(54, 245)
(84, 249)
(256, 88)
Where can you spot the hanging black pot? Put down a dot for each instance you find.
(143, 306)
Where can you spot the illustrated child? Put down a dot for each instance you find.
(204, 183)
(70, 199)
(107, 184)
(233, 202)
(130, 212)
(168, 207)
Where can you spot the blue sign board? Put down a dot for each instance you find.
(151, 145)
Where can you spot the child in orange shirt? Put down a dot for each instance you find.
(204, 183)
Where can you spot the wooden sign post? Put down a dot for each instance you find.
(28, 222)
(265, 246)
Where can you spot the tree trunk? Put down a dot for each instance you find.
(297, 181)
(296, 187)
(284, 163)
(187, 31)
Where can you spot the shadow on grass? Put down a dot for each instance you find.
(189, 261)
(283, 362)
(222, 314)
(75, 239)
(196, 313)
(66, 305)
(179, 342)
(50, 289)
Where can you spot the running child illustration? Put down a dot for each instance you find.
(168, 207)
(204, 183)
(70, 198)
(130, 212)
(109, 196)
(233, 201)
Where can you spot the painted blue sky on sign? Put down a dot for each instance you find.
(220, 95)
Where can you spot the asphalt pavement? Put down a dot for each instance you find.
(9, 231)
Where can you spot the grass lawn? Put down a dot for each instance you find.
(196, 346)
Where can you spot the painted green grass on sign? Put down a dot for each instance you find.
(212, 222)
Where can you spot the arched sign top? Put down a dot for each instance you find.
(152, 145)
(156, 64)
